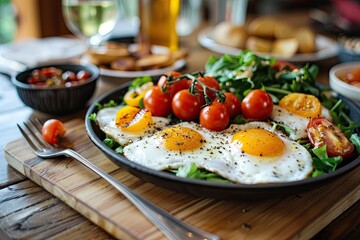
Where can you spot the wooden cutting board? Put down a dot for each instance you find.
(296, 217)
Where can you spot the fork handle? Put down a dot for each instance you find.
(172, 227)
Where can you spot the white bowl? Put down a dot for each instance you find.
(341, 87)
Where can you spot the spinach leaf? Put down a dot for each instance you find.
(192, 171)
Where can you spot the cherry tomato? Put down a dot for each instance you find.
(353, 76)
(157, 102)
(187, 106)
(301, 104)
(280, 65)
(49, 72)
(69, 76)
(257, 105)
(321, 131)
(83, 75)
(53, 131)
(215, 117)
(173, 88)
(209, 82)
(232, 103)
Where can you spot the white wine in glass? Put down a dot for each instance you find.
(90, 19)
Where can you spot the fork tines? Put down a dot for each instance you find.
(33, 134)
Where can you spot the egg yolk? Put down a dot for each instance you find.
(260, 142)
(132, 119)
(180, 138)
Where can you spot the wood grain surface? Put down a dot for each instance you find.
(27, 211)
(297, 217)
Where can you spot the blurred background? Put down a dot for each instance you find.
(20, 19)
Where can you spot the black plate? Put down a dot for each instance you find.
(204, 188)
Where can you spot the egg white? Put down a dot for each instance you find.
(295, 122)
(220, 155)
(212, 155)
(106, 120)
(294, 164)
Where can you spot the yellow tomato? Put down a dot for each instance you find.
(133, 96)
(132, 119)
(301, 104)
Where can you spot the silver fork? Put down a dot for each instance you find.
(171, 227)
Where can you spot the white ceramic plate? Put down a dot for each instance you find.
(32, 52)
(326, 48)
(341, 87)
(152, 73)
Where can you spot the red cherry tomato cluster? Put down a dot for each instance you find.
(52, 76)
(198, 97)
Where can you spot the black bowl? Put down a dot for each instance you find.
(57, 100)
(202, 188)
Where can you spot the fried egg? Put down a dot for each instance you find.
(180, 145)
(296, 122)
(260, 155)
(248, 153)
(106, 119)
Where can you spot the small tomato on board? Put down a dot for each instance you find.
(215, 117)
(323, 132)
(53, 131)
(257, 105)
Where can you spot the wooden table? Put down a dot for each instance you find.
(36, 214)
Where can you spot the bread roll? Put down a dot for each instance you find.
(124, 64)
(154, 61)
(284, 30)
(180, 54)
(259, 44)
(306, 38)
(105, 55)
(262, 27)
(285, 47)
(229, 34)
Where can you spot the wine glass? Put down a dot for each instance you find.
(91, 20)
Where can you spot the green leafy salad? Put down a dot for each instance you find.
(233, 93)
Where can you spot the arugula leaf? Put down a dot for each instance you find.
(320, 152)
(119, 149)
(355, 139)
(111, 143)
(326, 165)
(192, 171)
(137, 82)
(322, 163)
(111, 103)
(92, 117)
(246, 71)
(285, 128)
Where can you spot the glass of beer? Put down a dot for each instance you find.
(158, 19)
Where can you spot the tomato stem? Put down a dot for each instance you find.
(337, 104)
(277, 90)
(192, 89)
